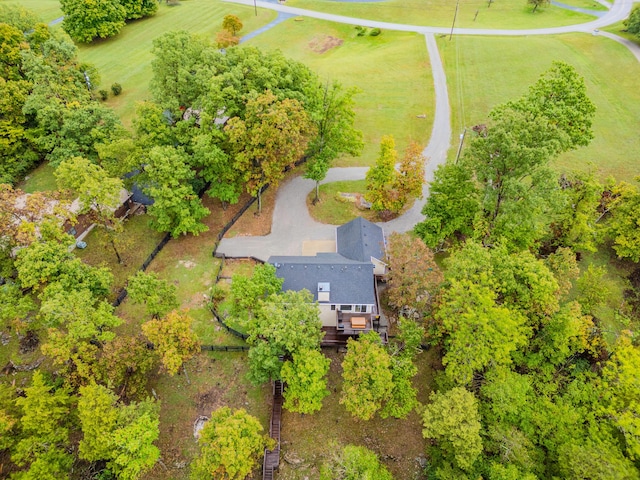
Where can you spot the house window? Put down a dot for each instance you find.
(361, 308)
(333, 307)
(346, 308)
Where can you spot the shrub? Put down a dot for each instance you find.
(361, 30)
(116, 88)
(375, 32)
(103, 94)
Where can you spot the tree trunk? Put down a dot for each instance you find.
(535, 7)
(317, 199)
(184, 369)
(260, 201)
(113, 245)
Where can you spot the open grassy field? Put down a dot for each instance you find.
(439, 13)
(392, 71)
(126, 58)
(485, 71)
(47, 10)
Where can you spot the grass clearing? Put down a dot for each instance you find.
(479, 78)
(334, 209)
(47, 10)
(126, 58)
(392, 71)
(439, 13)
(39, 180)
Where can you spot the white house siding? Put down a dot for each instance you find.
(328, 316)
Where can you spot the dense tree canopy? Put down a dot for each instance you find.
(84, 21)
(503, 185)
(283, 325)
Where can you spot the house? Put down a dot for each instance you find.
(363, 241)
(342, 282)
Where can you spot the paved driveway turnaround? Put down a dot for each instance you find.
(292, 225)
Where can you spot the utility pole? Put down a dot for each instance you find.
(255, 7)
(462, 135)
(454, 19)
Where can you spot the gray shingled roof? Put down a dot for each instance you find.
(351, 282)
(360, 240)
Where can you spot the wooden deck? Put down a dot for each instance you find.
(271, 460)
(332, 338)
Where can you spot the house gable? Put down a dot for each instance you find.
(360, 240)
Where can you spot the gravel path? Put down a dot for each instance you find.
(292, 224)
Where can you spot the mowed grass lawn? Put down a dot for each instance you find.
(483, 72)
(439, 13)
(126, 58)
(47, 10)
(392, 71)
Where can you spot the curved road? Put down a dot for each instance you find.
(292, 225)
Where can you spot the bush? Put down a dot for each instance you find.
(103, 94)
(361, 30)
(375, 32)
(116, 88)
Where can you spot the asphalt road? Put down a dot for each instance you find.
(292, 224)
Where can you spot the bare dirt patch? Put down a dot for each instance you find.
(187, 264)
(324, 43)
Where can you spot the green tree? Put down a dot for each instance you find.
(91, 184)
(78, 325)
(333, 117)
(451, 207)
(97, 192)
(452, 420)
(85, 21)
(306, 381)
(157, 294)
(134, 452)
(621, 400)
(176, 207)
(282, 326)
(273, 136)
(232, 23)
(633, 22)
(380, 178)
(592, 287)
(479, 332)
(575, 221)
(247, 292)
(216, 167)
(139, 8)
(122, 435)
(173, 338)
(354, 463)
(182, 68)
(98, 417)
(414, 277)
(410, 175)
(231, 442)
(366, 374)
(403, 349)
(45, 432)
(624, 221)
(125, 365)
